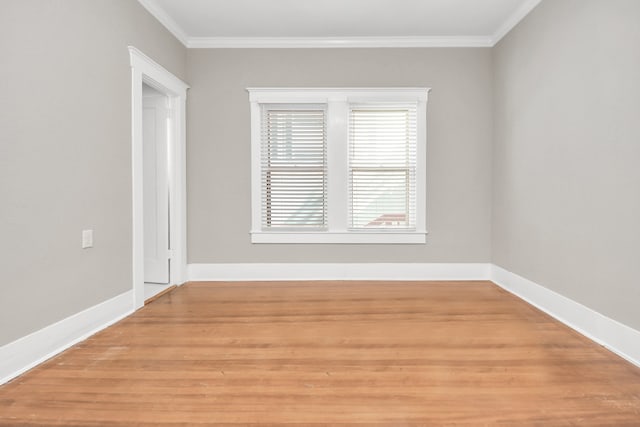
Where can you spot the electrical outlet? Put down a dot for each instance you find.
(87, 239)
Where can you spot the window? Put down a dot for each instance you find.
(294, 172)
(382, 166)
(338, 165)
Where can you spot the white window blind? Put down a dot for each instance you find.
(382, 166)
(294, 169)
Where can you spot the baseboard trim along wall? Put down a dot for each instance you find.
(339, 271)
(27, 352)
(619, 338)
(613, 335)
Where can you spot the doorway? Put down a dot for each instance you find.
(156, 125)
(158, 178)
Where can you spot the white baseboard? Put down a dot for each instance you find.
(618, 338)
(338, 271)
(31, 350)
(27, 352)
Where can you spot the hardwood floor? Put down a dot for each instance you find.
(331, 353)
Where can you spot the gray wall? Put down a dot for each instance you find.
(560, 93)
(65, 152)
(459, 148)
(567, 147)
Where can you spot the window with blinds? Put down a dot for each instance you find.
(338, 165)
(294, 167)
(382, 166)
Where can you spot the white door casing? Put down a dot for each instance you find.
(155, 122)
(146, 71)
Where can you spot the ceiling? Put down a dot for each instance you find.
(339, 23)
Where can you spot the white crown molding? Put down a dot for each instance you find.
(165, 19)
(25, 353)
(618, 338)
(336, 42)
(513, 20)
(339, 271)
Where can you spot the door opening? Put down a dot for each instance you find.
(156, 124)
(159, 246)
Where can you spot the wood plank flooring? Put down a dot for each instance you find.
(330, 353)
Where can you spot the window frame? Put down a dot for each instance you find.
(337, 101)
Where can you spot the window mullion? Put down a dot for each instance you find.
(337, 158)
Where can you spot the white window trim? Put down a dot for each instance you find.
(337, 153)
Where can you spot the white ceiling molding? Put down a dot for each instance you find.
(513, 20)
(166, 20)
(336, 42)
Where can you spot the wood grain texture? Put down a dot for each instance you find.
(159, 294)
(331, 353)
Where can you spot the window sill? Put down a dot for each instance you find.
(356, 237)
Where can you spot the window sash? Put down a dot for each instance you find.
(294, 167)
(382, 166)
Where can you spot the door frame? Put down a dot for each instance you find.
(145, 70)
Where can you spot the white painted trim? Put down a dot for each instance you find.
(337, 102)
(513, 20)
(355, 237)
(145, 70)
(619, 338)
(615, 336)
(319, 95)
(336, 42)
(165, 19)
(23, 354)
(338, 175)
(339, 271)
(156, 72)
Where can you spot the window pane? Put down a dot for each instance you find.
(293, 168)
(382, 164)
(379, 198)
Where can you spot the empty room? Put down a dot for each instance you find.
(338, 212)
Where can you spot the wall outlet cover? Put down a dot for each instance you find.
(87, 239)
